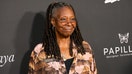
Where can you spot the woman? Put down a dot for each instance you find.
(63, 50)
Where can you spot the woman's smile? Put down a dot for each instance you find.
(67, 28)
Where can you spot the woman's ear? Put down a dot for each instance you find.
(53, 22)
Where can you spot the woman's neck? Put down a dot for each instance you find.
(63, 42)
(64, 45)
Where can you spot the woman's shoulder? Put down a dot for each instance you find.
(38, 48)
(87, 46)
(36, 57)
(38, 52)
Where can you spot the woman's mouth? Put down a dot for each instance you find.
(67, 28)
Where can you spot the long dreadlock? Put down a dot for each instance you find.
(50, 44)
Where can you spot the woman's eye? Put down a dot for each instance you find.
(63, 19)
(73, 19)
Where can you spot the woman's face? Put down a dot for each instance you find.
(64, 21)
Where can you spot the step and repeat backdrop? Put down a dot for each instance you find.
(105, 24)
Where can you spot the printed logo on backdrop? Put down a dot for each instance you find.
(110, 1)
(123, 38)
(123, 49)
(4, 59)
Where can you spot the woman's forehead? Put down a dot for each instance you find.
(62, 11)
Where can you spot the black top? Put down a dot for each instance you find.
(68, 63)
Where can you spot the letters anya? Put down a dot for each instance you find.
(6, 58)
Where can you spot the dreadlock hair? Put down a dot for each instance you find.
(50, 44)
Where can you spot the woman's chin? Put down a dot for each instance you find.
(66, 35)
